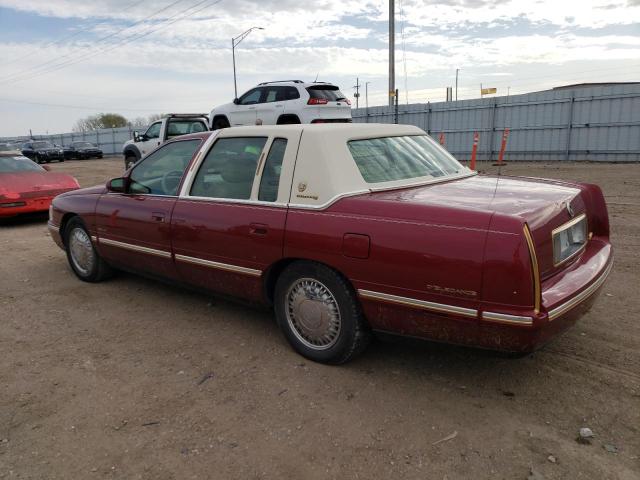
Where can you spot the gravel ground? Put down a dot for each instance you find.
(133, 379)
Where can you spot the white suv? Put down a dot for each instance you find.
(284, 102)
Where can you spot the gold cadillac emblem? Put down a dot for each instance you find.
(302, 186)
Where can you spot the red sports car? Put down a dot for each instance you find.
(349, 229)
(26, 187)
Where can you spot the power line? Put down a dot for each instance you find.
(81, 107)
(66, 37)
(126, 41)
(43, 66)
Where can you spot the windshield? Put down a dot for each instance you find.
(18, 164)
(38, 145)
(83, 145)
(389, 159)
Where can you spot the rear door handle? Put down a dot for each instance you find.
(258, 229)
(158, 216)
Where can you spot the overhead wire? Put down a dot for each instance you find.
(48, 64)
(66, 37)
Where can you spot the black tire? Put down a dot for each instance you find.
(220, 123)
(353, 333)
(97, 269)
(288, 120)
(129, 160)
(37, 159)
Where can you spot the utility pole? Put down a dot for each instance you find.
(357, 94)
(392, 54)
(457, 70)
(366, 99)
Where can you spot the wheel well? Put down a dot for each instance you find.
(274, 271)
(219, 117)
(288, 118)
(63, 224)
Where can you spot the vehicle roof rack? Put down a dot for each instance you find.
(282, 81)
(186, 115)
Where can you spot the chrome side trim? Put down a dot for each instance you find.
(135, 248)
(423, 304)
(508, 319)
(94, 239)
(586, 293)
(220, 266)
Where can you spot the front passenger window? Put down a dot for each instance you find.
(160, 172)
(229, 168)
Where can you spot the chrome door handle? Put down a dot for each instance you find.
(258, 229)
(157, 216)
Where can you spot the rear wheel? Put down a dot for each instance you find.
(81, 254)
(319, 314)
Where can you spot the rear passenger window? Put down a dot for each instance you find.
(271, 174)
(229, 169)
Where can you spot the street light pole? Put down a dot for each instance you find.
(235, 41)
(457, 70)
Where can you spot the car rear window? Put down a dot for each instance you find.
(389, 159)
(329, 92)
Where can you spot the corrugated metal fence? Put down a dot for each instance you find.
(110, 140)
(590, 123)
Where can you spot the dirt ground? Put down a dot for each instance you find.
(133, 379)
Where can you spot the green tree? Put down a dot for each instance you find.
(101, 120)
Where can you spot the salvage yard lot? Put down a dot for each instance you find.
(136, 379)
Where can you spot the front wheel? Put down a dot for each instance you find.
(81, 254)
(220, 123)
(319, 314)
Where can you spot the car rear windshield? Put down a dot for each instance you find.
(389, 159)
(83, 144)
(18, 164)
(330, 93)
(37, 145)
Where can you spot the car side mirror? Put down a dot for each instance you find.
(46, 167)
(236, 101)
(116, 185)
(136, 136)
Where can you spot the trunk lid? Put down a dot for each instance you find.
(31, 184)
(541, 203)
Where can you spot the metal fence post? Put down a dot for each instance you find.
(493, 128)
(428, 115)
(570, 125)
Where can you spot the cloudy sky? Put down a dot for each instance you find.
(61, 60)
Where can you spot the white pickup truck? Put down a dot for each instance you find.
(158, 132)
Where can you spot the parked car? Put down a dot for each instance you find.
(42, 151)
(284, 102)
(26, 187)
(346, 229)
(82, 150)
(172, 125)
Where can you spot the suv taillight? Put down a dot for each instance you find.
(317, 101)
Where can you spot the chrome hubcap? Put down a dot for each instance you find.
(81, 251)
(313, 314)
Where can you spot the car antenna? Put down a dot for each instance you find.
(316, 77)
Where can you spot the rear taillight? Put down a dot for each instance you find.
(348, 101)
(317, 101)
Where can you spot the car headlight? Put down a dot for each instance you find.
(569, 239)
